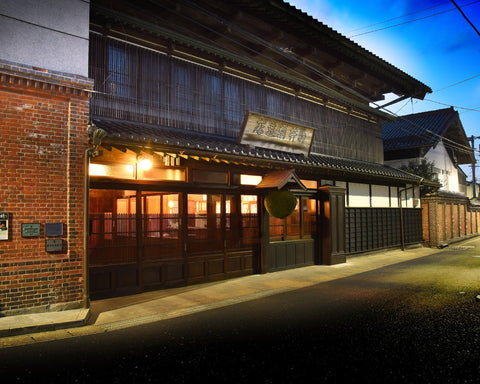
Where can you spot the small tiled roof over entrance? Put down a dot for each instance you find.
(152, 137)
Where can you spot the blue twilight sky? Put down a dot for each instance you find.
(428, 39)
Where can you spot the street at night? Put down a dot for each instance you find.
(412, 322)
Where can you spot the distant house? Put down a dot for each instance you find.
(469, 190)
(436, 136)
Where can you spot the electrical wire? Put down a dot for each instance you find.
(457, 83)
(410, 21)
(291, 55)
(396, 18)
(465, 17)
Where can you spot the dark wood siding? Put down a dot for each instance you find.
(375, 228)
(137, 84)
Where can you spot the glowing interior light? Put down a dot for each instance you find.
(120, 171)
(97, 170)
(145, 164)
(130, 169)
(250, 179)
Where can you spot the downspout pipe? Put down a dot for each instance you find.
(95, 138)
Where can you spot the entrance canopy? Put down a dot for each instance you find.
(279, 179)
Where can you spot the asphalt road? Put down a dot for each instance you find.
(413, 322)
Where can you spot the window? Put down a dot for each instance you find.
(119, 83)
(250, 179)
(126, 209)
(112, 222)
(204, 223)
(301, 224)
(161, 216)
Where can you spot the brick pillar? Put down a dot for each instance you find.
(433, 222)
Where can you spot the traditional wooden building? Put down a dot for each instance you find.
(201, 110)
(150, 144)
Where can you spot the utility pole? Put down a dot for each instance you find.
(474, 180)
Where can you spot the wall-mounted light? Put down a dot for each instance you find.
(144, 163)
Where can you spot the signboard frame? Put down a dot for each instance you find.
(268, 132)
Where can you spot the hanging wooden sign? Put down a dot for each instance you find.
(268, 132)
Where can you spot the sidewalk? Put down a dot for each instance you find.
(117, 313)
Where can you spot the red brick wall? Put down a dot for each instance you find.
(448, 218)
(43, 121)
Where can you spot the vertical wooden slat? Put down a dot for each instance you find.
(137, 84)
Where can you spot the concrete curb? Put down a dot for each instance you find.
(41, 322)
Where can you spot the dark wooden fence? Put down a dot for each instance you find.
(375, 228)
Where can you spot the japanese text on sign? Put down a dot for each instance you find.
(267, 132)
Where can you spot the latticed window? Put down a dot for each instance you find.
(301, 224)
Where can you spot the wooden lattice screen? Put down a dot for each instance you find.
(138, 84)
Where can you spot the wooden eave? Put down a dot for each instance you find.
(212, 149)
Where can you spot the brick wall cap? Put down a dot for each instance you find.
(46, 76)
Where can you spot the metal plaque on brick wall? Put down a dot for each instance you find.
(30, 229)
(54, 245)
(268, 132)
(53, 229)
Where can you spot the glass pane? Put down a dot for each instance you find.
(277, 229)
(162, 229)
(112, 220)
(293, 223)
(250, 230)
(309, 217)
(204, 223)
(232, 222)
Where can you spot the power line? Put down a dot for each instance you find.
(459, 82)
(455, 106)
(291, 56)
(411, 21)
(466, 18)
(398, 17)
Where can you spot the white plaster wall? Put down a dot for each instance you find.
(410, 196)
(359, 195)
(394, 197)
(448, 174)
(49, 34)
(380, 197)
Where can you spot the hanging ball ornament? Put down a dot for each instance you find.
(280, 204)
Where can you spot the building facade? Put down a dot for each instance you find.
(204, 122)
(44, 109)
(221, 117)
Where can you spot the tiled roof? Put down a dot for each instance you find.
(195, 143)
(417, 130)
